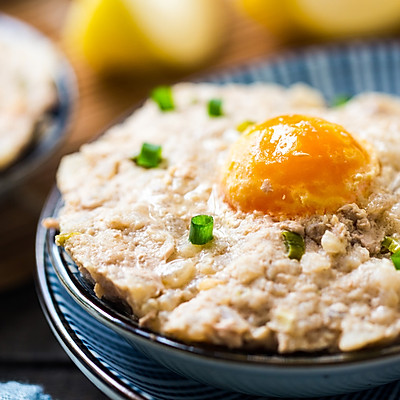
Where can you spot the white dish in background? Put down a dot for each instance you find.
(52, 133)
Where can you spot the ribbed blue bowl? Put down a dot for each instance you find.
(344, 69)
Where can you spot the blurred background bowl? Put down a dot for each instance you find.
(48, 141)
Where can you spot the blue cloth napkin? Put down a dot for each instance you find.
(21, 391)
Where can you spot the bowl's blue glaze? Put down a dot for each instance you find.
(273, 380)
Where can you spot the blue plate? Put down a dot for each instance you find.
(335, 70)
(112, 364)
(51, 137)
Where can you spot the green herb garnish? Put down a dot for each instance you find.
(63, 237)
(340, 100)
(149, 157)
(390, 244)
(244, 125)
(201, 229)
(393, 246)
(396, 260)
(294, 244)
(215, 108)
(162, 95)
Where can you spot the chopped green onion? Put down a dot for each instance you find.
(201, 229)
(340, 100)
(215, 108)
(149, 157)
(294, 244)
(396, 260)
(162, 95)
(244, 125)
(391, 244)
(63, 237)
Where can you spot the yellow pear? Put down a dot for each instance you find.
(325, 18)
(347, 18)
(145, 35)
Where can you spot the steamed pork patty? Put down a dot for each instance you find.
(305, 208)
(27, 70)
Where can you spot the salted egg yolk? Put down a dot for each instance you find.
(295, 165)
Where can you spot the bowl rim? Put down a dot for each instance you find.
(61, 113)
(129, 328)
(89, 365)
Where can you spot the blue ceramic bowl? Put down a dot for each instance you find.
(345, 69)
(49, 138)
(112, 364)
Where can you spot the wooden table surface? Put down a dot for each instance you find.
(28, 350)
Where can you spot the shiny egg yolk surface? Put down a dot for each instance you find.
(295, 165)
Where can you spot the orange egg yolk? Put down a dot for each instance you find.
(295, 165)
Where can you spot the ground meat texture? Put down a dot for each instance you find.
(127, 228)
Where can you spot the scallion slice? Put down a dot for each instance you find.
(244, 125)
(294, 244)
(340, 100)
(215, 108)
(391, 244)
(150, 156)
(201, 229)
(396, 260)
(162, 95)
